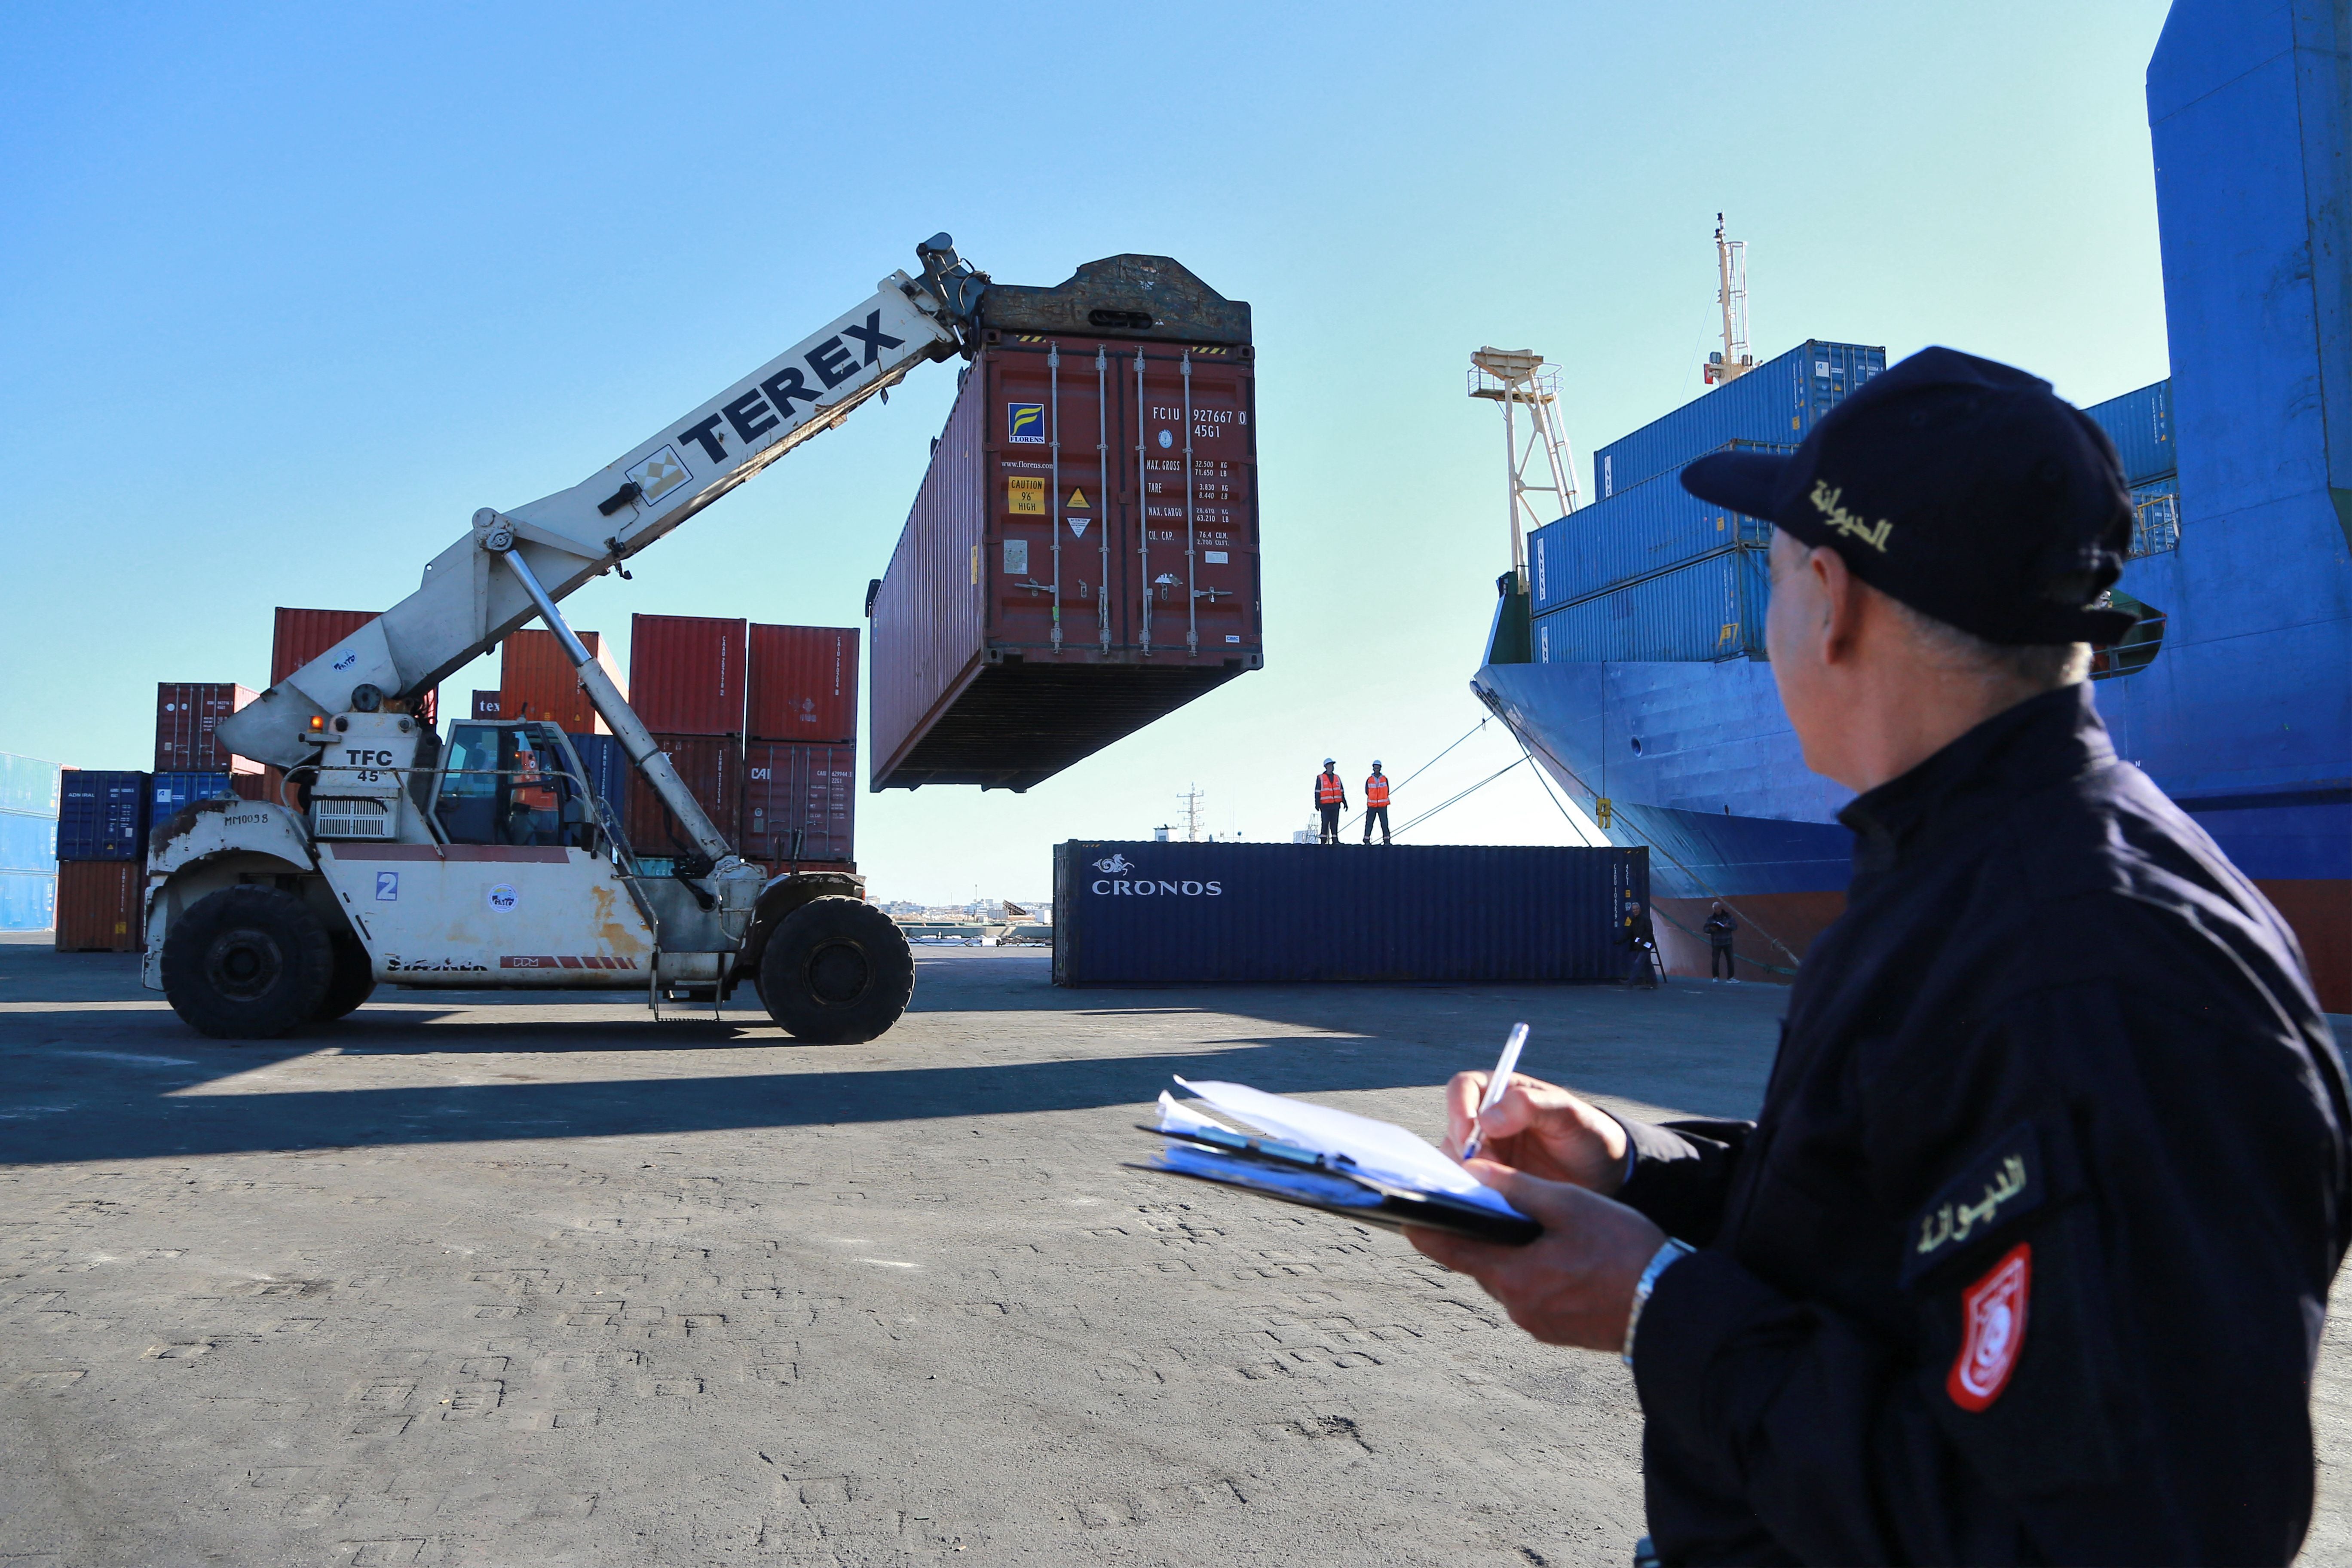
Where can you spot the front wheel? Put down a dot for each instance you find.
(248, 963)
(354, 983)
(836, 972)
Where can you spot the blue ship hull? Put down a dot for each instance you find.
(2244, 714)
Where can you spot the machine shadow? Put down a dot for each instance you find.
(200, 1124)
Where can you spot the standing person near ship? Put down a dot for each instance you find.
(1376, 802)
(1720, 928)
(1330, 798)
(1643, 965)
(2027, 1256)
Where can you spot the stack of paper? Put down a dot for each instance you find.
(1311, 1154)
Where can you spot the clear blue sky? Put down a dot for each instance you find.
(288, 292)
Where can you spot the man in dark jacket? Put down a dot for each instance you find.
(1721, 928)
(2027, 1256)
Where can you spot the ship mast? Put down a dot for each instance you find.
(1518, 379)
(1733, 361)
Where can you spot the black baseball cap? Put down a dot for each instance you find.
(1965, 488)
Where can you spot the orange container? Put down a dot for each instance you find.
(537, 681)
(302, 636)
(100, 905)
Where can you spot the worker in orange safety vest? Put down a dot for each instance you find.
(1376, 802)
(1330, 798)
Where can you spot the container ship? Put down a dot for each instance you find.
(1626, 649)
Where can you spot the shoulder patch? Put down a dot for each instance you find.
(2006, 1183)
(1993, 1330)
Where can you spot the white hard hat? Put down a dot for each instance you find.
(1330, 761)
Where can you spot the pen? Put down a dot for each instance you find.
(1495, 1087)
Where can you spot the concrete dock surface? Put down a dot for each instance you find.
(477, 1278)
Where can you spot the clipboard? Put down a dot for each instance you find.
(1290, 1174)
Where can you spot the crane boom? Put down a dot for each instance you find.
(467, 604)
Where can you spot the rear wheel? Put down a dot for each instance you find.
(838, 971)
(248, 963)
(354, 981)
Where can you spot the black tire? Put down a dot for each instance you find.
(836, 972)
(354, 981)
(248, 963)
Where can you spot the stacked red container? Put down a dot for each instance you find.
(101, 905)
(302, 636)
(536, 680)
(186, 714)
(801, 757)
(686, 683)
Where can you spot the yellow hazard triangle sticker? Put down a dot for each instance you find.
(1078, 498)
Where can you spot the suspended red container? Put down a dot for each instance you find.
(686, 674)
(803, 684)
(1083, 556)
(799, 803)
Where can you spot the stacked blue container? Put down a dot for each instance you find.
(1640, 532)
(2141, 424)
(608, 769)
(171, 793)
(28, 843)
(1710, 609)
(1777, 401)
(101, 816)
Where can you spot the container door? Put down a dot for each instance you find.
(1051, 449)
(1189, 441)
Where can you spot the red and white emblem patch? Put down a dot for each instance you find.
(1993, 1330)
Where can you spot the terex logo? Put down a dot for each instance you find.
(759, 411)
(1117, 887)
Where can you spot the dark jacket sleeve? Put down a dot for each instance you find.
(2175, 1207)
(1682, 1172)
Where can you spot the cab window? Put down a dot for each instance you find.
(502, 784)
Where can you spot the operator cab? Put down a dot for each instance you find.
(516, 784)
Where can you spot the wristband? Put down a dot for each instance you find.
(1665, 1258)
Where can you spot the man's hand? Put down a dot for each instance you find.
(1539, 1128)
(1573, 1285)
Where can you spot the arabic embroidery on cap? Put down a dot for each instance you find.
(1993, 1330)
(1825, 502)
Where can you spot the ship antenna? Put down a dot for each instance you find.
(1518, 379)
(1731, 293)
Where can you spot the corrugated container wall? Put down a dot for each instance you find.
(170, 794)
(1777, 401)
(1082, 557)
(1653, 527)
(1707, 611)
(799, 803)
(2141, 424)
(186, 714)
(711, 768)
(609, 771)
(536, 680)
(803, 684)
(29, 901)
(300, 635)
(101, 816)
(27, 843)
(29, 784)
(686, 674)
(100, 903)
(29, 798)
(1129, 913)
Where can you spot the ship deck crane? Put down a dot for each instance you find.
(493, 862)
